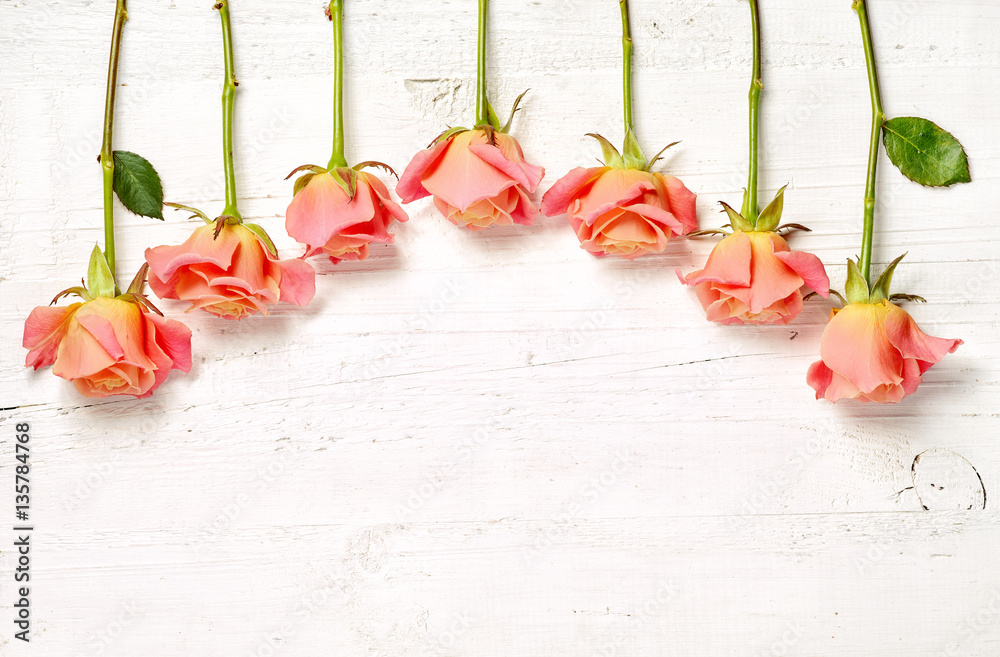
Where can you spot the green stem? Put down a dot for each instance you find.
(107, 154)
(482, 104)
(228, 108)
(336, 10)
(755, 87)
(878, 118)
(627, 68)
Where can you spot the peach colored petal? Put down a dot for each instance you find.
(382, 194)
(656, 214)
(906, 336)
(855, 345)
(628, 231)
(841, 388)
(728, 263)
(682, 202)
(462, 179)
(44, 329)
(410, 186)
(809, 268)
(80, 354)
(174, 338)
(511, 151)
(614, 189)
(298, 281)
(557, 199)
(118, 327)
(770, 279)
(819, 377)
(200, 247)
(322, 209)
(524, 211)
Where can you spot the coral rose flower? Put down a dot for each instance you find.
(626, 212)
(753, 277)
(327, 220)
(231, 275)
(874, 352)
(475, 183)
(107, 346)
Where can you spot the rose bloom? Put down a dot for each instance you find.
(755, 278)
(874, 352)
(622, 212)
(474, 184)
(233, 275)
(107, 346)
(326, 220)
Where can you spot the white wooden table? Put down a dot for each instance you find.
(494, 444)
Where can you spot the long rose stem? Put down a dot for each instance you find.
(756, 85)
(878, 118)
(228, 109)
(336, 9)
(627, 65)
(482, 103)
(107, 153)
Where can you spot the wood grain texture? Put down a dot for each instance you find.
(494, 444)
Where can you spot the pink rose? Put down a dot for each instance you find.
(874, 352)
(324, 218)
(107, 346)
(753, 277)
(232, 275)
(626, 212)
(476, 182)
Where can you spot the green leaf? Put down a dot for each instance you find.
(301, 182)
(491, 116)
(658, 157)
(264, 237)
(137, 185)
(139, 281)
(900, 296)
(346, 178)
(72, 291)
(612, 158)
(925, 153)
(375, 163)
(736, 220)
(195, 211)
(770, 216)
(448, 134)
(100, 282)
(510, 118)
(880, 290)
(632, 153)
(857, 286)
(311, 167)
(708, 231)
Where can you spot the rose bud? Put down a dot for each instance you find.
(478, 178)
(107, 345)
(752, 276)
(871, 349)
(622, 208)
(230, 269)
(340, 211)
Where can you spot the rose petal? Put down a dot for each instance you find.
(855, 345)
(809, 268)
(410, 186)
(906, 336)
(44, 329)
(298, 281)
